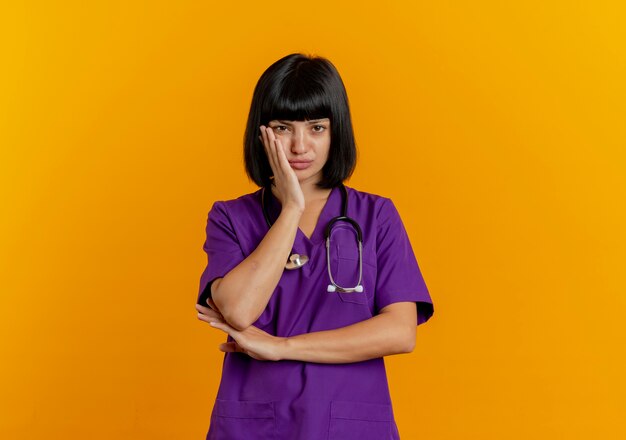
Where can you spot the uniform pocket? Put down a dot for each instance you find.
(242, 420)
(365, 421)
(346, 273)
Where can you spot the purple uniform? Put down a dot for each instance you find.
(295, 400)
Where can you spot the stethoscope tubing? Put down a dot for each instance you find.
(327, 233)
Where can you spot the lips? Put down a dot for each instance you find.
(300, 164)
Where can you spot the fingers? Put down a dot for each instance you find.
(208, 313)
(282, 159)
(231, 347)
(263, 138)
(277, 147)
(209, 319)
(225, 327)
(280, 165)
(212, 305)
(270, 149)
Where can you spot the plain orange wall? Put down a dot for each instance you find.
(497, 129)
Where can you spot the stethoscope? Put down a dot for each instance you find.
(296, 261)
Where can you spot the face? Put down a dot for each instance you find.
(306, 145)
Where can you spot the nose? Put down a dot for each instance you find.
(299, 141)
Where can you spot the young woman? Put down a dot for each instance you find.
(310, 303)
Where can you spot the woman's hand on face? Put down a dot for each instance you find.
(286, 181)
(252, 341)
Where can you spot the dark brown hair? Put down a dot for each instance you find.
(298, 87)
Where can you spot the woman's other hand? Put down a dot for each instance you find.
(252, 341)
(212, 311)
(286, 182)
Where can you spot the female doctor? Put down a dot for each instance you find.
(310, 304)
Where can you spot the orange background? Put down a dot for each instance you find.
(497, 129)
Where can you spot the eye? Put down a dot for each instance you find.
(279, 127)
(320, 126)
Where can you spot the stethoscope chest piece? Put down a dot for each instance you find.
(296, 261)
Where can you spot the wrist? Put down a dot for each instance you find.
(284, 349)
(292, 209)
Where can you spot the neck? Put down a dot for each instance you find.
(310, 191)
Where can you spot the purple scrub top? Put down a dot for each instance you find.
(295, 400)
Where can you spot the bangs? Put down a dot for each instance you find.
(297, 101)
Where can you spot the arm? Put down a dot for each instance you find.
(390, 332)
(243, 293)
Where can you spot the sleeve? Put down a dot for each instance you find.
(399, 277)
(222, 248)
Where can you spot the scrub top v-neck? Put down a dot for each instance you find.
(302, 243)
(306, 400)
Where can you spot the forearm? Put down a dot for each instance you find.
(244, 292)
(376, 337)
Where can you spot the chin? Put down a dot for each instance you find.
(307, 174)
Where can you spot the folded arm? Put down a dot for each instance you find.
(393, 331)
(243, 293)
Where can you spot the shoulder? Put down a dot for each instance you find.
(379, 204)
(238, 205)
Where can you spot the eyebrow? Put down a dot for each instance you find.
(308, 122)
